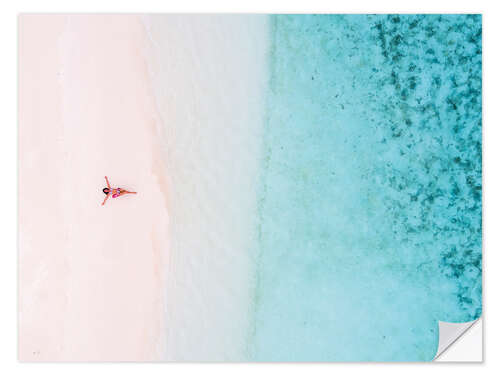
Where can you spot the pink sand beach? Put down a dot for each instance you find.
(90, 276)
(165, 274)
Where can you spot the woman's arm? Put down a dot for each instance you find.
(107, 183)
(105, 199)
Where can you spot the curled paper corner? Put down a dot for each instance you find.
(449, 333)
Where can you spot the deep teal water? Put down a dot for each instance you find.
(370, 197)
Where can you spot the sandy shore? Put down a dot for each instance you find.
(168, 106)
(91, 278)
(209, 74)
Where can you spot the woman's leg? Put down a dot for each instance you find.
(128, 192)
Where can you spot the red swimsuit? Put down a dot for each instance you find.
(116, 194)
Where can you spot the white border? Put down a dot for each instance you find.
(8, 147)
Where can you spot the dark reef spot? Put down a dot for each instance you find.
(404, 94)
(413, 24)
(436, 80)
(395, 41)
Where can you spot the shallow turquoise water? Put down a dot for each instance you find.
(370, 197)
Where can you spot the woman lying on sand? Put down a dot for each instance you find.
(115, 193)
